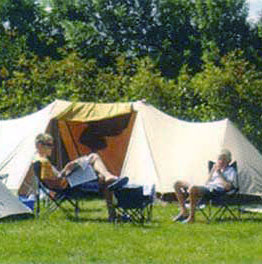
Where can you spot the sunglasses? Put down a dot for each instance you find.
(48, 144)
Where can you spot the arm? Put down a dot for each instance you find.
(69, 167)
(218, 172)
(227, 184)
(230, 176)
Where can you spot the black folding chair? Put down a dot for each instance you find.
(131, 204)
(220, 206)
(58, 196)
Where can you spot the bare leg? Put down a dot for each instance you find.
(195, 193)
(179, 186)
(107, 177)
(100, 167)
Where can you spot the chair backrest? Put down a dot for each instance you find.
(37, 172)
(37, 169)
(41, 184)
(234, 165)
(132, 196)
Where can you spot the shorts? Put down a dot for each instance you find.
(212, 192)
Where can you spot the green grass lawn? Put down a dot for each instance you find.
(91, 239)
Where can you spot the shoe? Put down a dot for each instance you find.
(126, 218)
(118, 184)
(179, 218)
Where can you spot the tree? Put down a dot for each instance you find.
(177, 39)
(222, 22)
(26, 18)
(111, 27)
(231, 90)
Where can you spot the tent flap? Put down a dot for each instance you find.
(84, 112)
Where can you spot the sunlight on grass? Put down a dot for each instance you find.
(91, 239)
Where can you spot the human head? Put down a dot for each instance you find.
(44, 143)
(43, 138)
(226, 155)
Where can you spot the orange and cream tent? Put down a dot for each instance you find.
(134, 139)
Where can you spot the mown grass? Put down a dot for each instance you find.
(91, 239)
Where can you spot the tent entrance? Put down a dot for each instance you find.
(109, 138)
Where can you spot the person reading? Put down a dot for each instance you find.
(58, 179)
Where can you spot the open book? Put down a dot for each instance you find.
(81, 173)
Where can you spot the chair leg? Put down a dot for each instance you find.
(37, 205)
(218, 213)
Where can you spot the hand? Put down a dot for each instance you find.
(69, 166)
(217, 167)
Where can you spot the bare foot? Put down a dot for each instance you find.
(180, 217)
(189, 220)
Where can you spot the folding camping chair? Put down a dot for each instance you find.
(217, 207)
(131, 204)
(57, 196)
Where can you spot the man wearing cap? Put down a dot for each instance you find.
(220, 180)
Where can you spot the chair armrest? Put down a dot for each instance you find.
(232, 191)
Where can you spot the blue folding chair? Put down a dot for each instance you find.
(58, 196)
(217, 207)
(130, 202)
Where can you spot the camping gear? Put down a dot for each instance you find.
(134, 140)
(28, 201)
(222, 206)
(10, 204)
(131, 203)
(57, 195)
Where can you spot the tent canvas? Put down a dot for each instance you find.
(17, 139)
(164, 149)
(17, 136)
(10, 205)
(134, 139)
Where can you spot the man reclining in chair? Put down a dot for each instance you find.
(220, 180)
(55, 179)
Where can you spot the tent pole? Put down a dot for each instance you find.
(74, 143)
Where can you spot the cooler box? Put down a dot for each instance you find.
(28, 201)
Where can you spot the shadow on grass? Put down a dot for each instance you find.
(15, 218)
(257, 219)
(105, 220)
(80, 219)
(145, 225)
(249, 217)
(70, 212)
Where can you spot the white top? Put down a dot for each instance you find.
(229, 174)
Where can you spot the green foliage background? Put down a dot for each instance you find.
(197, 60)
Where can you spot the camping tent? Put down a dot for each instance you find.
(17, 136)
(164, 149)
(134, 140)
(9, 204)
(67, 122)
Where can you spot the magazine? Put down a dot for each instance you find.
(81, 173)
